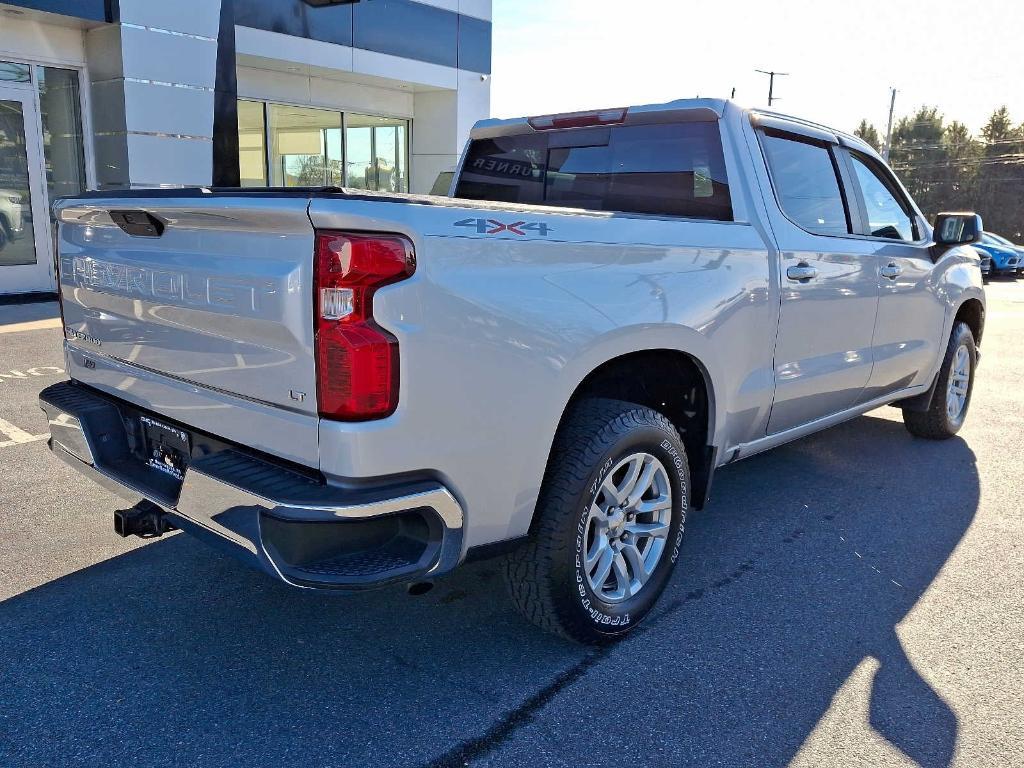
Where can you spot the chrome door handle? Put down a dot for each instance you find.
(802, 272)
(892, 271)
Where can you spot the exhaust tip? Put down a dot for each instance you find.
(418, 588)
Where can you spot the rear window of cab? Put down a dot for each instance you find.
(667, 169)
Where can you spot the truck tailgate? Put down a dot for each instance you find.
(222, 298)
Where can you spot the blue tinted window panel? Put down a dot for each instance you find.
(407, 29)
(330, 24)
(475, 44)
(94, 10)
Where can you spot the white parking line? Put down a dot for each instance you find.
(29, 373)
(35, 325)
(16, 435)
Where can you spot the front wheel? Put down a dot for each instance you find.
(608, 525)
(952, 398)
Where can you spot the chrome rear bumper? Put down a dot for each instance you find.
(287, 523)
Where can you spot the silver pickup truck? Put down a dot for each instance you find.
(351, 389)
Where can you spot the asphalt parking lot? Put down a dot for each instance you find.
(851, 599)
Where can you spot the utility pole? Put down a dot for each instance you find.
(888, 131)
(771, 83)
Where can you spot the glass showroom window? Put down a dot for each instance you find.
(252, 143)
(291, 146)
(377, 153)
(305, 146)
(12, 72)
(57, 138)
(60, 110)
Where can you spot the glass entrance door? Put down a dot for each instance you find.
(25, 261)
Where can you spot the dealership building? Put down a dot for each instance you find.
(105, 94)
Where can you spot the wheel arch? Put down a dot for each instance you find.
(972, 312)
(675, 382)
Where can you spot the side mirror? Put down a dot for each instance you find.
(953, 229)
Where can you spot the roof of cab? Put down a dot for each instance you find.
(711, 109)
(848, 138)
(707, 109)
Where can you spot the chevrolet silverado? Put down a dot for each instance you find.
(348, 389)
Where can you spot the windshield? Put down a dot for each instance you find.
(995, 239)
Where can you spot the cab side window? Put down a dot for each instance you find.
(888, 214)
(806, 183)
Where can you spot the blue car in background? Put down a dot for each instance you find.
(1007, 258)
(1000, 240)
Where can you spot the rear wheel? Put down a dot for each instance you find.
(952, 398)
(608, 525)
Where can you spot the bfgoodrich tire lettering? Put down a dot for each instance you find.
(618, 475)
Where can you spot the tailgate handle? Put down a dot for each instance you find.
(139, 223)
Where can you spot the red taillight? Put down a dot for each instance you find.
(579, 119)
(357, 360)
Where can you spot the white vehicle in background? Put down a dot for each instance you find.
(443, 183)
(11, 223)
(986, 263)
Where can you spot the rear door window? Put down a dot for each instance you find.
(806, 181)
(675, 169)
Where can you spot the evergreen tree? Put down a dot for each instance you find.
(945, 168)
(918, 155)
(869, 134)
(1000, 179)
(959, 189)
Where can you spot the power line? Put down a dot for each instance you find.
(957, 167)
(986, 158)
(987, 180)
(973, 142)
(907, 122)
(1009, 159)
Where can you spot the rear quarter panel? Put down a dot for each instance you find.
(496, 331)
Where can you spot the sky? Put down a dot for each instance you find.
(966, 58)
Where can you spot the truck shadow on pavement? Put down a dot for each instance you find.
(801, 569)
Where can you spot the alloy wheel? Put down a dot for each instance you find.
(627, 527)
(959, 383)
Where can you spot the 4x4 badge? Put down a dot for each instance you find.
(495, 227)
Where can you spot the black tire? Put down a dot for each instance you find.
(546, 576)
(936, 423)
